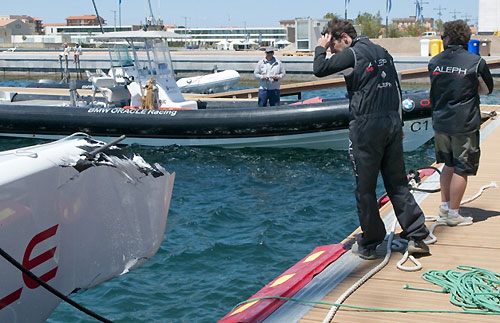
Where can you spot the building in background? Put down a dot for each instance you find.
(289, 25)
(488, 21)
(17, 27)
(307, 33)
(36, 23)
(241, 37)
(404, 23)
(5, 36)
(86, 20)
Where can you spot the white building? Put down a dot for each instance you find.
(262, 35)
(488, 17)
(307, 33)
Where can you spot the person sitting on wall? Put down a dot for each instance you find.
(77, 53)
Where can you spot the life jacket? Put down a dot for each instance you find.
(454, 91)
(373, 86)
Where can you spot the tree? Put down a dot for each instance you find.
(439, 25)
(330, 15)
(414, 30)
(370, 25)
(393, 31)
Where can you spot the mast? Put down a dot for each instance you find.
(98, 17)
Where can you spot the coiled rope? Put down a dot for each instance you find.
(470, 288)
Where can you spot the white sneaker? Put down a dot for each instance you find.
(443, 215)
(453, 220)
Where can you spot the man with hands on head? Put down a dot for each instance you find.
(375, 134)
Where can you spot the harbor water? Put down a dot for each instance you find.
(238, 219)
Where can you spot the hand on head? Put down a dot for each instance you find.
(325, 40)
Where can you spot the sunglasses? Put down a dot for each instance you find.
(443, 36)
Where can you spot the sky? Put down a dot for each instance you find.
(231, 13)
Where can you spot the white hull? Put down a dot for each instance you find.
(74, 226)
(210, 83)
(417, 133)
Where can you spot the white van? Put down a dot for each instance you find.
(428, 33)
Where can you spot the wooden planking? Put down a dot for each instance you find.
(475, 245)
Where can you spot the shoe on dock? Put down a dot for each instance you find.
(458, 220)
(364, 253)
(453, 220)
(418, 247)
(443, 214)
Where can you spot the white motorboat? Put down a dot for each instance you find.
(210, 83)
(75, 213)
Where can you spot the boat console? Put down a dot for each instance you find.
(150, 65)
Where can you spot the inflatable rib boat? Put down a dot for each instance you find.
(142, 101)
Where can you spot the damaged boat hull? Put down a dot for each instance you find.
(75, 222)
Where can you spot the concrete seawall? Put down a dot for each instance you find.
(33, 64)
(45, 64)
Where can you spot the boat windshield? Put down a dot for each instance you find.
(120, 56)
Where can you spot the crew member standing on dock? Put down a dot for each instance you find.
(456, 76)
(375, 134)
(269, 71)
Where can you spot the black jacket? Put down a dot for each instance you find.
(454, 93)
(373, 86)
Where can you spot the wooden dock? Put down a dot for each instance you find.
(475, 245)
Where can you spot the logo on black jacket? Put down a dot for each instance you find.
(449, 70)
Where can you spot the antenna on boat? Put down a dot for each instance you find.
(98, 17)
(151, 16)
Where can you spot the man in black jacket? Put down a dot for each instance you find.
(457, 77)
(375, 133)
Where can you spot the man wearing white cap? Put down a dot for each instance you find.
(269, 71)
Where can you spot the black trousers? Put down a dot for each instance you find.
(376, 144)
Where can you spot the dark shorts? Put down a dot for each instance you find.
(460, 152)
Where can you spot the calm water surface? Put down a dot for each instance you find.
(238, 219)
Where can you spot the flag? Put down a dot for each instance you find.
(422, 19)
(389, 6)
(120, 2)
(417, 15)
